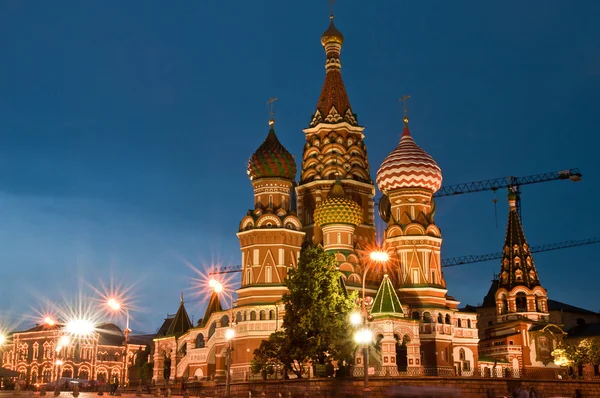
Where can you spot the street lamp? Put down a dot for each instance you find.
(229, 333)
(115, 305)
(364, 336)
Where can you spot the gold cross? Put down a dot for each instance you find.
(404, 98)
(270, 102)
(331, 7)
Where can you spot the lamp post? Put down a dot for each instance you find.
(115, 305)
(229, 333)
(364, 336)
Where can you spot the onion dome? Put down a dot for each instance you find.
(271, 159)
(337, 209)
(408, 166)
(332, 35)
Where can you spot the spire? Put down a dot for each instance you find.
(333, 105)
(386, 301)
(406, 131)
(181, 322)
(214, 305)
(517, 267)
(270, 102)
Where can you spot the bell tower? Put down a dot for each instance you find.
(519, 290)
(335, 147)
(270, 234)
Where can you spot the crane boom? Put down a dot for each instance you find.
(507, 182)
(477, 258)
(454, 261)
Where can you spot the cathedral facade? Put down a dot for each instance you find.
(416, 325)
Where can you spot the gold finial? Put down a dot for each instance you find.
(181, 297)
(270, 102)
(405, 117)
(331, 8)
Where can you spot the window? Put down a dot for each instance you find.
(447, 319)
(469, 323)
(252, 315)
(224, 321)
(440, 318)
(200, 341)
(461, 354)
(211, 329)
(271, 314)
(459, 323)
(268, 274)
(238, 317)
(426, 317)
(415, 276)
(339, 237)
(467, 365)
(521, 302)
(248, 278)
(415, 315)
(263, 315)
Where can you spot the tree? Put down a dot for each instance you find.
(268, 356)
(584, 351)
(317, 309)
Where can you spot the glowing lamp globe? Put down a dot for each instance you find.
(363, 336)
(114, 304)
(355, 318)
(49, 321)
(59, 362)
(79, 327)
(379, 256)
(229, 334)
(2, 339)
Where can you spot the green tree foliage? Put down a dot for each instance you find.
(584, 351)
(269, 356)
(317, 309)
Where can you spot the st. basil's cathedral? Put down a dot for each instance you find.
(417, 326)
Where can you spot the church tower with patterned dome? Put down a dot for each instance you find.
(335, 148)
(408, 178)
(270, 234)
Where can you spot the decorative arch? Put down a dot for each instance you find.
(346, 267)
(294, 221)
(266, 219)
(414, 229)
(432, 229)
(246, 223)
(200, 343)
(102, 374)
(394, 231)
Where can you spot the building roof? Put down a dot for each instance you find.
(110, 334)
(175, 325)
(517, 267)
(554, 305)
(271, 159)
(585, 330)
(490, 298)
(214, 305)
(333, 106)
(408, 166)
(386, 301)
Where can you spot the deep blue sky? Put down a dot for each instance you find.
(125, 129)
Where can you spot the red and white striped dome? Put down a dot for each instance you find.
(408, 166)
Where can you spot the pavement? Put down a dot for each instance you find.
(64, 394)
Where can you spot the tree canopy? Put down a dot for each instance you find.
(317, 309)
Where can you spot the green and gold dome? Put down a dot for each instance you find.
(271, 159)
(337, 209)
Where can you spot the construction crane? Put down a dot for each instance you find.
(454, 261)
(477, 258)
(512, 183)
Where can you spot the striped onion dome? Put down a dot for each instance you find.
(271, 159)
(408, 166)
(338, 209)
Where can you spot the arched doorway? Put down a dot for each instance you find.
(402, 352)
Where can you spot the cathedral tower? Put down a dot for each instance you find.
(518, 287)
(270, 235)
(334, 147)
(409, 177)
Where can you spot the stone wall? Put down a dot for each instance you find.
(401, 387)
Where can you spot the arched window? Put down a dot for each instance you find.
(245, 316)
(263, 315)
(469, 323)
(459, 323)
(211, 329)
(268, 274)
(447, 319)
(238, 317)
(339, 237)
(440, 318)
(415, 315)
(224, 321)
(521, 302)
(461, 354)
(252, 315)
(200, 341)
(272, 314)
(426, 317)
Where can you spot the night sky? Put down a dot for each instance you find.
(125, 130)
